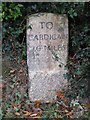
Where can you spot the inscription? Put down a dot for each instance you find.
(48, 47)
(37, 49)
(57, 36)
(48, 25)
(46, 37)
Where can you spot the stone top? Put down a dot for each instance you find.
(47, 34)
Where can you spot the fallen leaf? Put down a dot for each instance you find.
(23, 62)
(47, 102)
(12, 71)
(37, 103)
(33, 115)
(27, 113)
(17, 113)
(36, 115)
(14, 105)
(68, 113)
(60, 94)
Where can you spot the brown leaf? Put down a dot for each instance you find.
(17, 113)
(23, 62)
(47, 102)
(12, 71)
(37, 104)
(36, 115)
(60, 94)
(33, 115)
(68, 113)
(14, 105)
(27, 114)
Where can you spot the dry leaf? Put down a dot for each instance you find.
(37, 115)
(14, 105)
(60, 94)
(37, 104)
(12, 71)
(33, 115)
(27, 113)
(68, 113)
(47, 102)
(23, 62)
(17, 113)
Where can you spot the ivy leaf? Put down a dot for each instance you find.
(75, 14)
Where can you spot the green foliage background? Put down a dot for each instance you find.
(14, 17)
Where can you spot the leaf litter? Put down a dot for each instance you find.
(17, 103)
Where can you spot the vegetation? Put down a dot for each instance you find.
(13, 19)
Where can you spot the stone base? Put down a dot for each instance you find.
(43, 86)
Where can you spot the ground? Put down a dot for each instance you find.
(16, 103)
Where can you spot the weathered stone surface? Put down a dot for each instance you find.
(47, 50)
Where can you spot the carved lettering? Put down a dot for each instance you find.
(46, 37)
(48, 47)
(48, 25)
(42, 25)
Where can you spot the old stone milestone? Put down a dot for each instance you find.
(47, 51)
